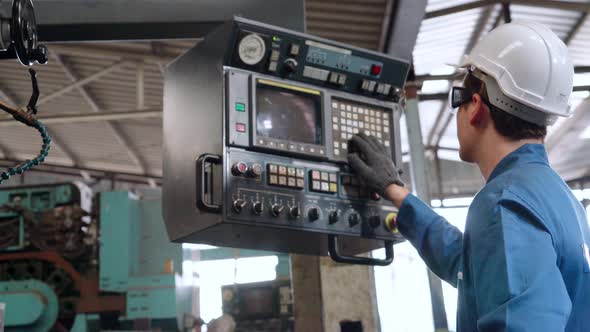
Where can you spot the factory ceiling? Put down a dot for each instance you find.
(102, 101)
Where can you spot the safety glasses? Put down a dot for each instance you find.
(459, 96)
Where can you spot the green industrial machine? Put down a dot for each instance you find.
(71, 260)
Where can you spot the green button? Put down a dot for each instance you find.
(240, 107)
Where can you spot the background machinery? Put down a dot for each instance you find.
(73, 261)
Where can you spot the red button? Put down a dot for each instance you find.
(375, 70)
(241, 127)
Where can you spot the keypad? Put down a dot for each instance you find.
(286, 176)
(324, 182)
(349, 118)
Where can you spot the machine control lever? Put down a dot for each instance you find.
(294, 212)
(257, 208)
(239, 205)
(313, 214)
(353, 219)
(276, 210)
(334, 217)
(374, 221)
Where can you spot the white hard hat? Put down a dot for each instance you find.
(527, 70)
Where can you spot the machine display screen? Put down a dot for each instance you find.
(257, 301)
(290, 114)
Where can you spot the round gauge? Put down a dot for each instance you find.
(251, 49)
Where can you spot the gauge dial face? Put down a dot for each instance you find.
(251, 49)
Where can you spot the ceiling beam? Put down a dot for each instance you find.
(386, 24)
(506, 12)
(95, 173)
(575, 29)
(479, 28)
(83, 81)
(563, 5)
(140, 93)
(402, 31)
(554, 4)
(452, 77)
(460, 8)
(117, 132)
(110, 20)
(109, 52)
(89, 117)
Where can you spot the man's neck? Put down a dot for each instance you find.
(497, 149)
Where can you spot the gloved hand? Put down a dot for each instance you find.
(373, 163)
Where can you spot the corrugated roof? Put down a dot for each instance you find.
(348, 21)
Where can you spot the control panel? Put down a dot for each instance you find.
(257, 127)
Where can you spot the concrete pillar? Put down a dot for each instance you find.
(326, 293)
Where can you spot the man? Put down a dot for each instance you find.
(523, 262)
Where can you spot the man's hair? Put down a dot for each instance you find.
(506, 124)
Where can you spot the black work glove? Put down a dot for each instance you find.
(373, 163)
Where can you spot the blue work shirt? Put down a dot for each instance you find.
(523, 262)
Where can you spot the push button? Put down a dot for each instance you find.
(334, 78)
(294, 49)
(240, 107)
(241, 127)
(375, 70)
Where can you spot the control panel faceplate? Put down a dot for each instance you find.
(303, 195)
(298, 57)
(341, 115)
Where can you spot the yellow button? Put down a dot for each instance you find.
(333, 187)
(391, 222)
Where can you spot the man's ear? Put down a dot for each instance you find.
(480, 113)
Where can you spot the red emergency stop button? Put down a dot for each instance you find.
(240, 168)
(376, 70)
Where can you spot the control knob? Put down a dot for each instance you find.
(313, 214)
(290, 65)
(255, 170)
(257, 208)
(334, 217)
(374, 221)
(239, 205)
(276, 209)
(353, 219)
(294, 212)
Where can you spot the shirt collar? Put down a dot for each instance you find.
(526, 154)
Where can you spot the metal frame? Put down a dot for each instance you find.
(108, 20)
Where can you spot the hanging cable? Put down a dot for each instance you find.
(27, 116)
